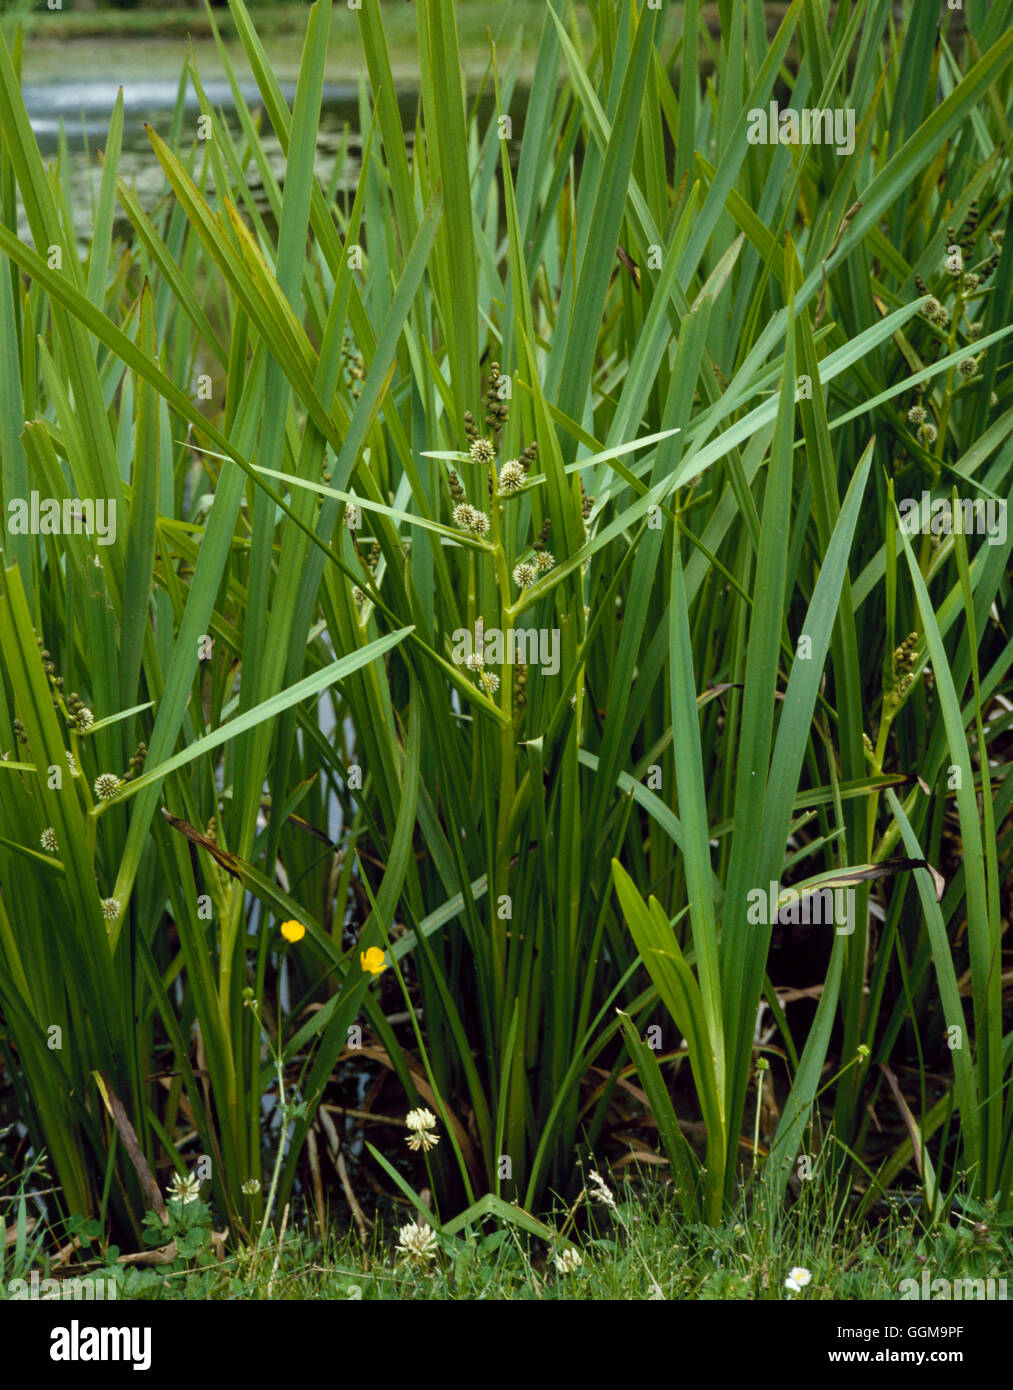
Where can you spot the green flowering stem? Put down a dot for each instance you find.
(286, 1115)
(424, 1054)
(859, 1057)
(762, 1067)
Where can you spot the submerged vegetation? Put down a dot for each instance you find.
(522, 679)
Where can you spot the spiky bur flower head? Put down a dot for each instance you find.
(512, 476)
(927, 433)
(481, 450)
(72, 765)
(524, 575)
(967, 367)
(970, 283)
(544, 561)
(48, 840)
(569, 1261)
(79, 716)
(916, 415)
(421, 1122)
(110, 909)
(935, 312)
(107, 784)
(417, 1242)
(974, 331)
(251, 1187)
(474, 661)
(490, 682)
(469, 518)
(184, 1187)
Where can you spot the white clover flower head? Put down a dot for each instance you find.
(110, 909)
(524, 575)
(512, 476)
(797, 1279)
(569, 1261)
(417, 1242)
(544, 561)
(48, 840)
(601, 1190)
(490, 682)
(185, 1187)
(474, 661)
(481, 451)
(107, 784)
(421, 1122)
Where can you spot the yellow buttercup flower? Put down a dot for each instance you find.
(293, 931)
(372, 960)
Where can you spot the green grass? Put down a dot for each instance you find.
(761, 677)
(636, 1245)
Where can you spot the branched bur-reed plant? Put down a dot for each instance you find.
(511, 580)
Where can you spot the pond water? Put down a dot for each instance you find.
(82, 109)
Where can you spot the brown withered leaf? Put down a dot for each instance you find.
(128, 1134)
(231, 863)
(865, 873)
(626, 260)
